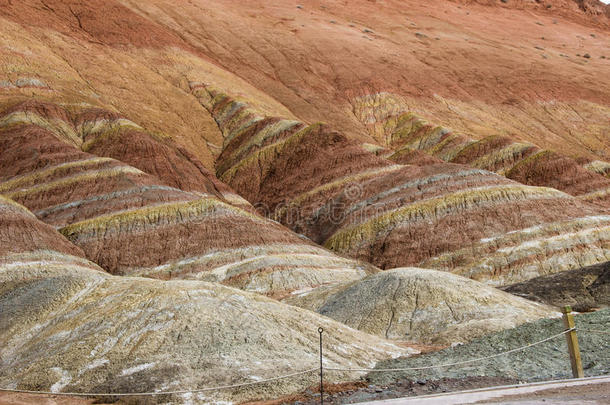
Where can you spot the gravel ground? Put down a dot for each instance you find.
(547, 361)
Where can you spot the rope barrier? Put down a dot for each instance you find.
(141, 394)
(123, 394)
(594, 331)
(456, 363)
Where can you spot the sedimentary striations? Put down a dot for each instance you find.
(421, 305)
(132, 223)
(341, 195)
(66, 325)
(406, 133)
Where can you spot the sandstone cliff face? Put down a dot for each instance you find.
(356, 203)
(421, 305)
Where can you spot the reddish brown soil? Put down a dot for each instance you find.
(7, 398)
(414, 157)
(560, 172)
(20, 233)
(105, 22)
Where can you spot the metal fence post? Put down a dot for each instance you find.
(320, 330)
(575, 360)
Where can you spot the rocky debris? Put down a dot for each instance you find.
(359, 204)
(583, 289)
(549, 360)
(424, 306)
(363, 391)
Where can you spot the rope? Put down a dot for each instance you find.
(222, 387)
(126, 394)
(457, 363)
(594, 331)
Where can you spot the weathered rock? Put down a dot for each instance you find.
(131, 223)
(584, 289)
(68, 326)
(331, 189)
(523, 162)
(20, 232)
(420, 305)
(86, 331)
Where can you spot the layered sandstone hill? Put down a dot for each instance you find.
(466, 65)
(406, 133)
(131, 223)
(584, 289)
(140, 142)
(66, 325)
(446, 216)
(421, 305)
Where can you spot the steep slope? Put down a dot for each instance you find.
(445, 216)
(68, 326)
(22, 233)
(420, 305)
(583, 289)
(130, 223)
(465, 65)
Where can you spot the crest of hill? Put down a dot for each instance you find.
(420, 305)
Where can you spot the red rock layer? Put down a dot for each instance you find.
(522, 162)
(333, 190)
(105, 22)
(21, 232)
(130, 222)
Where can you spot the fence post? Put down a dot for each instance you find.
(320, 330)
(576, 362)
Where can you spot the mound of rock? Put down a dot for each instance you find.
(421, 305)
(547, 361)
(66, 325)
(583, 289)
(132, 223)
(320, 183)
(71, 328)
(520, 161)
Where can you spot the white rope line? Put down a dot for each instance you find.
(457, 362)
(222, 387)
(594, 331)
(126, 394)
